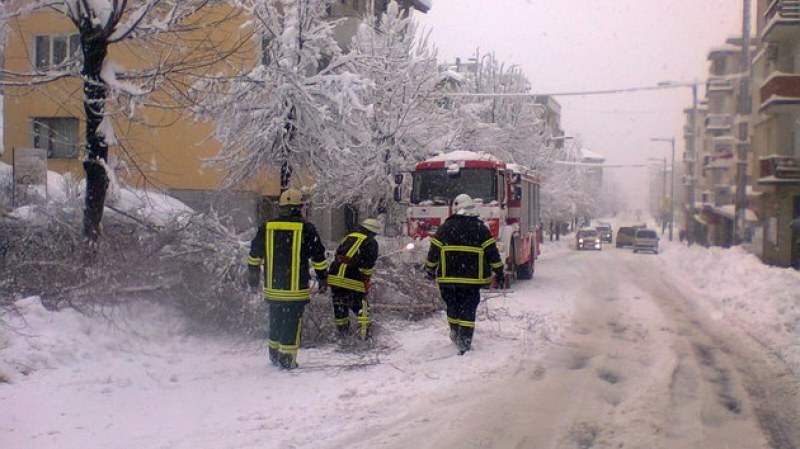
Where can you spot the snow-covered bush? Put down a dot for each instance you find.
(195, 265)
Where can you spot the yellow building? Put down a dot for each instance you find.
(159, 147)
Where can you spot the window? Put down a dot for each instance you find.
(441, 187)
(59, 136)
(52, 51)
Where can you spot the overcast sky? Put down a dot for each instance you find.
(579, 45)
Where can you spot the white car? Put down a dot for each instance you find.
(645, 240)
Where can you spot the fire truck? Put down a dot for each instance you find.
(507, 197)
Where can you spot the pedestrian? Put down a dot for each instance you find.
(349, 277)
(283, 247)
(461, 258)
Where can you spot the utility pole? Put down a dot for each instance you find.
(671, 140)
(742, 143)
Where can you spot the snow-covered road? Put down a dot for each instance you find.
(641, 366)
(601, 350)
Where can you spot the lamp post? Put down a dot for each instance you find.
(671, 140)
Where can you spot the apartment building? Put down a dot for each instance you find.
(716, 156)
(692, 222)
(170, 151)
(775, 162)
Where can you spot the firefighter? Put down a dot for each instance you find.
(284, 246)
(461, 258)
(349, 277)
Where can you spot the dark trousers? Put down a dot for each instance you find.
(462, 304)
(285, 328)
(344, 301)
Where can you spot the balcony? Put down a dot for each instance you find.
(779, 169)
(782, 21)
(721, 162)
(718, 122)
(780, 93)
(719, 85)
(723, 146)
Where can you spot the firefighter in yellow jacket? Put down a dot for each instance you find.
(462, 257)
(283, 246)
(349, 277)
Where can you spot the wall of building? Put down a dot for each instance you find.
(779, 239)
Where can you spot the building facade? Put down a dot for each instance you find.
(775, 162)
(716, 156)
(162, 148)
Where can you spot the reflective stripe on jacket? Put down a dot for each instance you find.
(284, 247)
(463, 251)
(354, 261)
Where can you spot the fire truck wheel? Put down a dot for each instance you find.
(511, 265)
(525, 272)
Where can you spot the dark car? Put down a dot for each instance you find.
(625, 236)
(606, 232)
(588, 238)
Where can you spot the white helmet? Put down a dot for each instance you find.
(463, 205)
(372, 225)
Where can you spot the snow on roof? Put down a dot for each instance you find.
(453, 75)
(518, 168)
(587, 154)
(462, 155)
(729, 211)
(728, 48)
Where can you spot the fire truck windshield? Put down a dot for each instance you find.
(441, 187)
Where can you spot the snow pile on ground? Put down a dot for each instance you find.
(761, 299)
(142, 382)
(151, 206)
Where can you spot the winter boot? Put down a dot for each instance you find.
(343, 330)
(465, 340)
(273, 356)
(288, 361)
(454, 333)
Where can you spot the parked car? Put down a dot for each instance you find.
(588, 238)
(625, 236)
(645, 240)
(606, 232)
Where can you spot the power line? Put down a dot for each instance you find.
(565, 94)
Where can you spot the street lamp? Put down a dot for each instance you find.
(671, 140)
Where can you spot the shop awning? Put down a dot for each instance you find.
(729, 211)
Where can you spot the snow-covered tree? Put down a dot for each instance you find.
(297, 109)
(506, 121)
(405, 122)
(566, 193)
(102, 24)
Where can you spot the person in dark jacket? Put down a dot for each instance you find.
(462, 256)
(283, 246)
(349, 277)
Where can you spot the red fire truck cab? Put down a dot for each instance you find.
(507, 197)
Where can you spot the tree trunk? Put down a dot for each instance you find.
(94, 44)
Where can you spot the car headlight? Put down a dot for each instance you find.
(580, 240)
